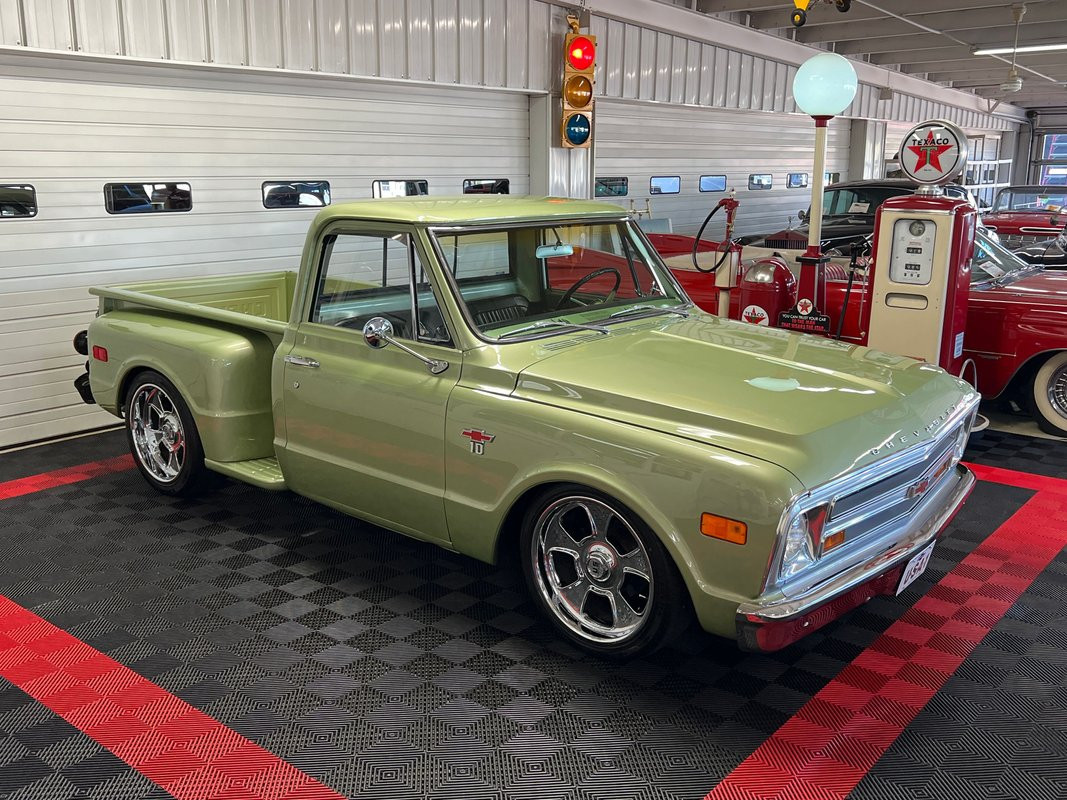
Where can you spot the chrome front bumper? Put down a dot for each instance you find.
(770, 623)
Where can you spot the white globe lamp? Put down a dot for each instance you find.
(824, 86)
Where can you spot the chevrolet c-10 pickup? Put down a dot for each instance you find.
(523, 377)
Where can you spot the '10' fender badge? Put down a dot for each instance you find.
(479, 439)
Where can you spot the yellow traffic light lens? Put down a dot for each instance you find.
(578, 91)
(581, 53)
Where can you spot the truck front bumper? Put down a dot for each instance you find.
(768, 624)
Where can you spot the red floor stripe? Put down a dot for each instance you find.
(827, 747)
(62, 477)
(1023, 480)
(183, 750)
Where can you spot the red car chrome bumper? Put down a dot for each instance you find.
(770, 624)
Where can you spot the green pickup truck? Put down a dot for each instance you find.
(523, 377)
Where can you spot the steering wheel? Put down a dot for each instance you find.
(567, 295)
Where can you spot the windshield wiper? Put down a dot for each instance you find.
(554, 323)
(681, 311)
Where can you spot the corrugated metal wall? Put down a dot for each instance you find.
(639, 140)
(643, 64)
(69, 131)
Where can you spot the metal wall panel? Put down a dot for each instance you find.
(186, 30)
(97, 25)
(392, 39)
(265, 35)
(420, 40)
(469, 44)
(363, 36)
(146, 35)
(69, 131)
(11, 22)
(300, 34)
(226, 31)
(638, 140)
(49, 24)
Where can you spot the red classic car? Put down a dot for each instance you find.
(1026, 215)
(1016, 322)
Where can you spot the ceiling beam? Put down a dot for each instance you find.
(984, 77)
(724, 6)
(824, 15)
(991, 20)
(916, 41)
(978, 63)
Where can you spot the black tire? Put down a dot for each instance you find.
(843, 5)
(1047, 397)
(798, 18)
(163, 437)
(660, 606)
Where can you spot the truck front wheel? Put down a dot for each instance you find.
(600, 575)
(162, 436)
(1048, 395)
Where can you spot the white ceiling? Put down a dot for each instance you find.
(894, 34)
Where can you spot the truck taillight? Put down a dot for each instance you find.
(100, 353)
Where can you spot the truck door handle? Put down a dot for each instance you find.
(302, 361)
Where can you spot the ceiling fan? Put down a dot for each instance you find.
(1014, 82)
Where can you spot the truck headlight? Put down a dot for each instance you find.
(798, 551)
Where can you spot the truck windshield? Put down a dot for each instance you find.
(858, 201)
(572, 273)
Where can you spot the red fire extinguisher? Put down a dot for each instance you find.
(768, 288)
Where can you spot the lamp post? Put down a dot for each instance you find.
(823, 87)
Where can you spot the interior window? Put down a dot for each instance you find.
(365, 276)
(296, 194)
(486, 186)
(760, 181)
(17, 200)
(797, 180)
(712, 183)
(665, 184)
(611, 187)
(147, 198)
(401, 188)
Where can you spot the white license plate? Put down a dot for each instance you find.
(915, 567)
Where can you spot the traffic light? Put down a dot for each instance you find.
(579, 61)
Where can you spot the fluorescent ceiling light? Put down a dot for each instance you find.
(1030, 48)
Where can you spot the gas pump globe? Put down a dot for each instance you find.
(923, 245)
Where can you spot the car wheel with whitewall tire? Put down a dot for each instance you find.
(1048, 395)
(599, 575)
(163, 437)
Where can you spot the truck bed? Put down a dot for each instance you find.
(258, 300)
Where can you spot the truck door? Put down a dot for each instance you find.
(364, 427)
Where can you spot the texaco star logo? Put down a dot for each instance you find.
(929, 151)
(805, 306)
(479, 439)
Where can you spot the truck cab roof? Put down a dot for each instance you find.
(461, 209)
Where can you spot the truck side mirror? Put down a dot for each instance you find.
(378, 332)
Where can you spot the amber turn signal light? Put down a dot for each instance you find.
(729, 530)
(832, 541)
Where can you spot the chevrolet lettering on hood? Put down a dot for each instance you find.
(905, 438)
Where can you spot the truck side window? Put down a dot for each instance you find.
(364, 276)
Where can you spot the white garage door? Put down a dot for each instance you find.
(640, 141)
(69, 131)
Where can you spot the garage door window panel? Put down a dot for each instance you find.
(147, 198)
(363, 276)
(399, 188)
(17, 200)
(296, 194)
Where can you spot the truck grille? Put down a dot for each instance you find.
(893, 497)
(1016, 240)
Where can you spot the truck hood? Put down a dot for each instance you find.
(816, 407)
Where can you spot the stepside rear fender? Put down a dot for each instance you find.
(222, 372)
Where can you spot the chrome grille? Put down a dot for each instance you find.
(784, 244)
(1016, 240)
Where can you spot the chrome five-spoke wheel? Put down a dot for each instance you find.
(158, 435)
(592, 569)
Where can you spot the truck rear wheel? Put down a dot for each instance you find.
(1048, 395)
(163, 437)
(599, 575)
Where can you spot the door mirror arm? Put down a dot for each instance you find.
(378, 332)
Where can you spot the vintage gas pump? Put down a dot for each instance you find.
(725, 260)
(923, 245)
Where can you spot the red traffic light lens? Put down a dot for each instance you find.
(578, 91)
(581, 53)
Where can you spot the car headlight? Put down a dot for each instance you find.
(798, 552)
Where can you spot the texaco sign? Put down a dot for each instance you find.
(933, 152)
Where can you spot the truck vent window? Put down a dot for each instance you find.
(796, 180)
(296, 194)
(762, 181)
(612, 187)
(486, 186)
(665, 184)
(147, 198)
(712, 183)
(17, 200)
(399, 188)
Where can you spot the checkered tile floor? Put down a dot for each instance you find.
(388, 668)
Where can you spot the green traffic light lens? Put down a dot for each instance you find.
(577, 128)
